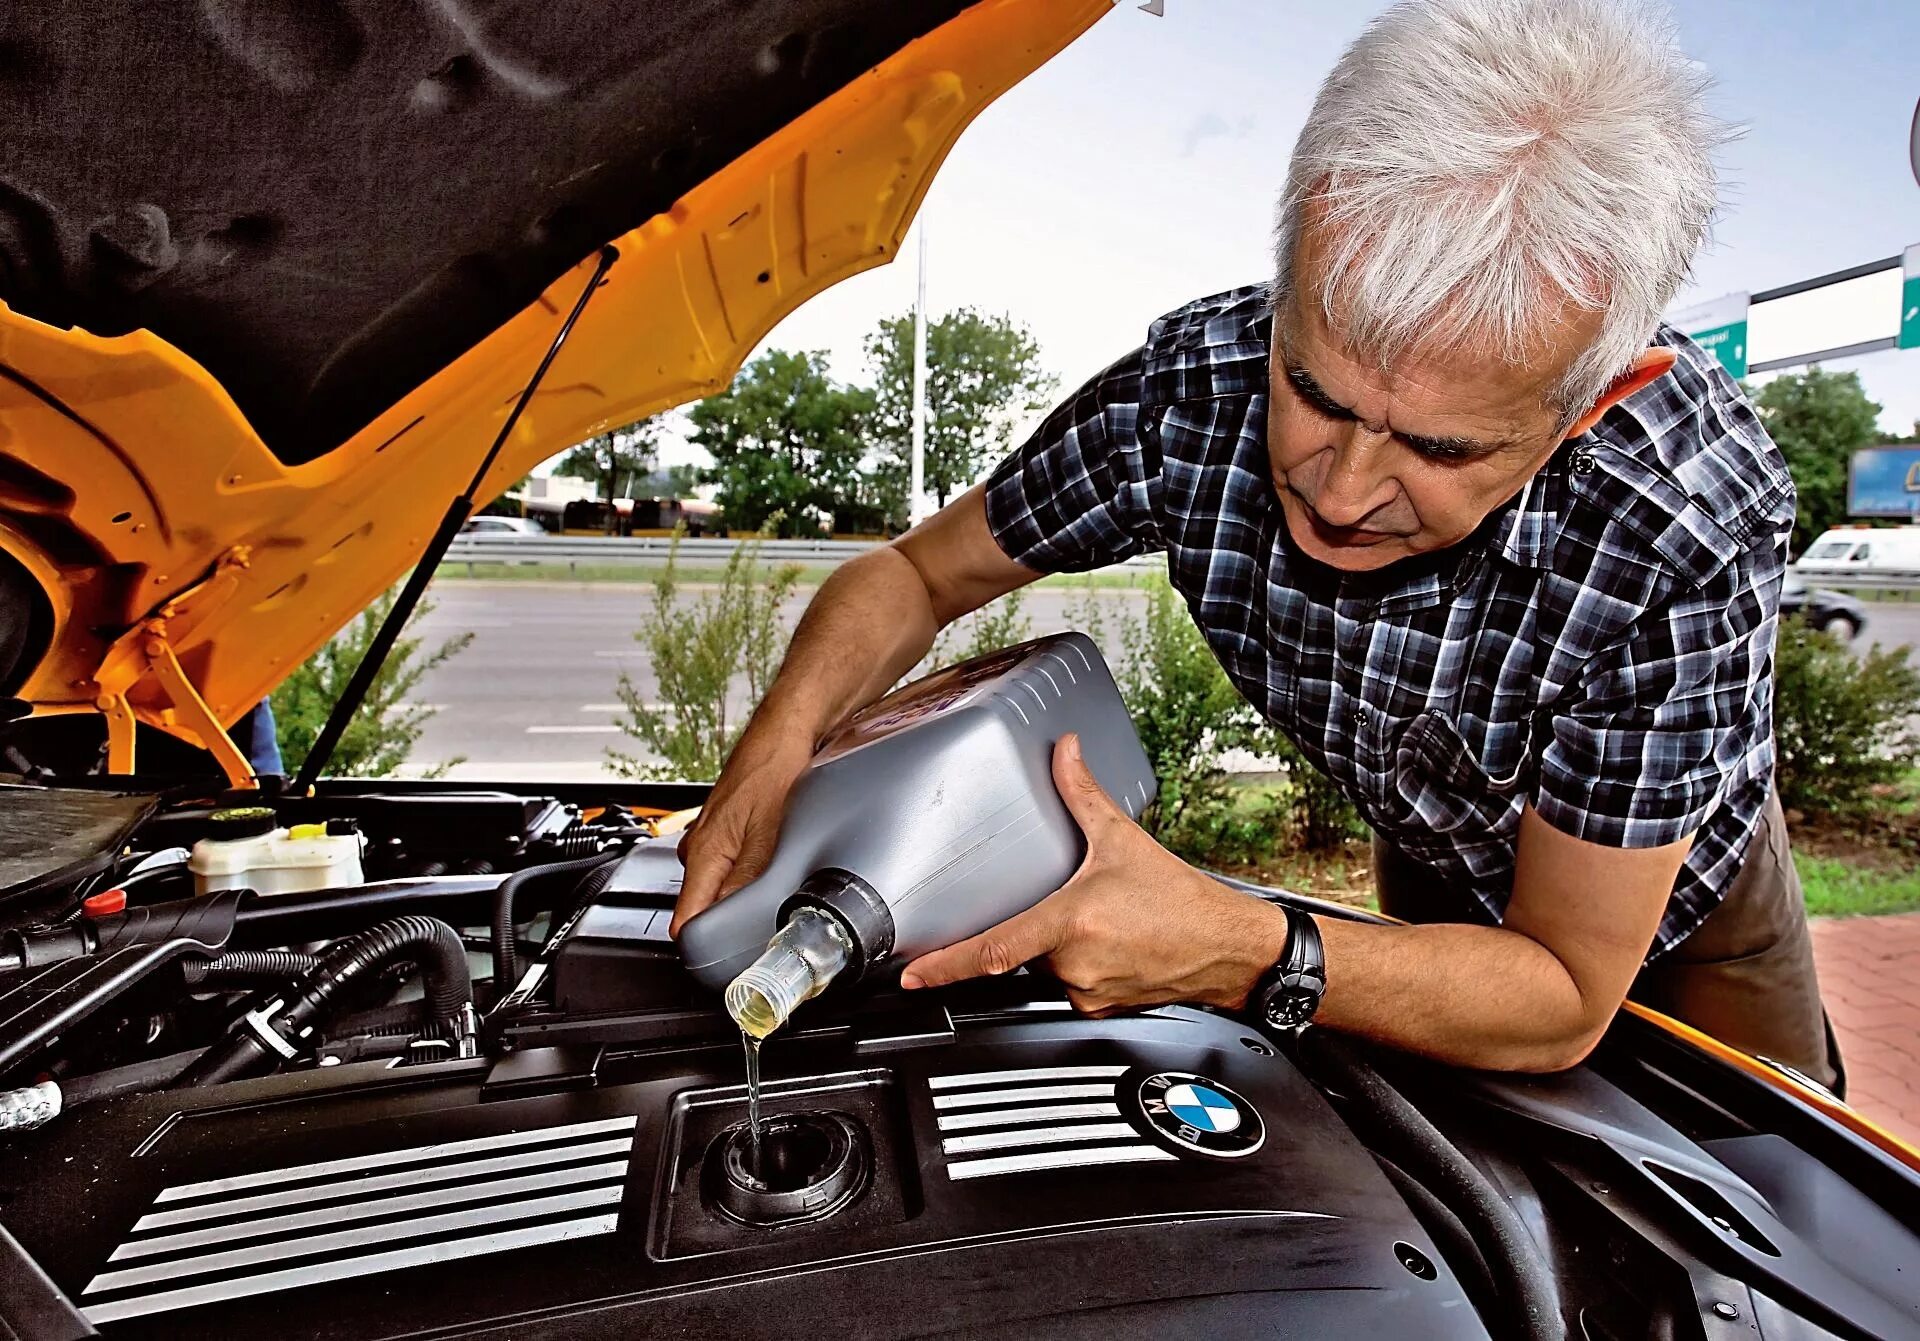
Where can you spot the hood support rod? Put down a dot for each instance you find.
(458, 511)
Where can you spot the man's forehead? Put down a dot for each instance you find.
(1440, 389)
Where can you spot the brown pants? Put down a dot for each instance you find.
(1744, 976)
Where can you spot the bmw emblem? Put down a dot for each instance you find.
(1201, 1115)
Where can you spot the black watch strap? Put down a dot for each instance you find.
(1289, 993)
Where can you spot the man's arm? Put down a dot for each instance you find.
(871, 621)
(1136, 926)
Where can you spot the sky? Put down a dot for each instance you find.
(1138, 169)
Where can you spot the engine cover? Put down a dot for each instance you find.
(1025, 1171)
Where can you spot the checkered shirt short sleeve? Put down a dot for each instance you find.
(1601, 648)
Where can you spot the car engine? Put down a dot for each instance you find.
(474, 1092)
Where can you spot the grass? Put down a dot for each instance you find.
(1837, 888)
(811, 575)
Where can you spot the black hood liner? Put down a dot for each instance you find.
(325, 202)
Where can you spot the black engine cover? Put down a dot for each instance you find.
(1032, 1173)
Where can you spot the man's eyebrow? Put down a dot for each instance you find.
(1314, 394)
(1450, 447)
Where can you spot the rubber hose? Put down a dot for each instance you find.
(429, 942)
(506, 956)
(1417, 1146)
(248, 964)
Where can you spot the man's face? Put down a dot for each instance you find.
(1373, 466)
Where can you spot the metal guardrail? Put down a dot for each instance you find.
(622, 550)
(1859, 579)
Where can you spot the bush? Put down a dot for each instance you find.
(997, 624)
(1189, 715)
(385, 729)
(698, 651)
(1843, 726)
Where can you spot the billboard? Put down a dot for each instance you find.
(1885, 481)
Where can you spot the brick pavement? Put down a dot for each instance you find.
(1870, 977)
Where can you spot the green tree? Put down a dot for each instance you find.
(1818, 418)
(385, 729)
(700, 650)
(1843, 725)
(983, 373)
(614, 461)
(787, 443)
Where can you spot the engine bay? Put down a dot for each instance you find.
(474, 1091)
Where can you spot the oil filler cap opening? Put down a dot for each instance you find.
(811, 1165)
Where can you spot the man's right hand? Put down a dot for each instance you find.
(733, 839)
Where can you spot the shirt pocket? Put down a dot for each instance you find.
(1438, 784)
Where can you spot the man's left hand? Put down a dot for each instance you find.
(1135, 926)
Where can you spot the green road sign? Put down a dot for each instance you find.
(1720, 328)
(1910, 299)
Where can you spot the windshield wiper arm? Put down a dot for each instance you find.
(458, 511)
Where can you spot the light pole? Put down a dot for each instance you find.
(917, 485)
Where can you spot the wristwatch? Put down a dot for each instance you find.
(1286, 995)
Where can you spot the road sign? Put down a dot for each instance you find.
(1720, 328)
(1884, 482)
(1910, 299)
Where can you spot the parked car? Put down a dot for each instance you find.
(277, 278)
(503, 528)
(1831, 611)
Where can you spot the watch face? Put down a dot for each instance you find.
(1292, 1000)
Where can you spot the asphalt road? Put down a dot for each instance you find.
(533, 699)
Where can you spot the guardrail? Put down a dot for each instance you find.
(1856, 579)
(623, 550)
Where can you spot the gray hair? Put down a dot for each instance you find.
(1474, 164)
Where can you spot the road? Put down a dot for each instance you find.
(533, 699)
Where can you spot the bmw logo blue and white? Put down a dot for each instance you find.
(1201, 1115)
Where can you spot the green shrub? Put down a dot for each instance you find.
(997, 624)
(1843, 725)
(385, 729)
(1188, 715)
(699, 649)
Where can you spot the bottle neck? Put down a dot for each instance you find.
(806, 954)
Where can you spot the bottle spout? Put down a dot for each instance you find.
(808, 951)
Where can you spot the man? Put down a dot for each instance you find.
(1498, 551)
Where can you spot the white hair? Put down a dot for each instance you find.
(1473, 165)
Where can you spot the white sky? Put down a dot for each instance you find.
(1137, 170)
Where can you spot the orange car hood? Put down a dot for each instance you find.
(195, 537)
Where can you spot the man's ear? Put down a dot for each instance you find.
(1650, 367)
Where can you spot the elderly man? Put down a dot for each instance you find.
(1496, 549)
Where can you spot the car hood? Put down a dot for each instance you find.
(272, 274)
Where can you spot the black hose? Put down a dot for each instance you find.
(506, 958)
(430, 943)
(1520, 1273)
(247, 965)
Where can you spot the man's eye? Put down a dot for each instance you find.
(1444, 452)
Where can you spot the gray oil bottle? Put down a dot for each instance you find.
(927, 818)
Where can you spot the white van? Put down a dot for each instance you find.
(1863, 549)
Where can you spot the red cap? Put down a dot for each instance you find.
(104, 904)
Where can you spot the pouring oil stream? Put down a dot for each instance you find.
(800, 960)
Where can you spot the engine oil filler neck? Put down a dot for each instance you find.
(809, 1166)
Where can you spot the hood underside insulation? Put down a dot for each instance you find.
(324, 202)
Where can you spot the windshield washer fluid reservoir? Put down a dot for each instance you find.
(246, 849)
(932, 814)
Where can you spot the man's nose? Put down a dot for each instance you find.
(1359, 479)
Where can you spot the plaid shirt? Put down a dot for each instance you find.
(1601, 647)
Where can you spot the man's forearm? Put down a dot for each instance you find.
(1470, 995)
(871, 621)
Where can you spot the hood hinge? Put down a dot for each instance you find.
(145, 652)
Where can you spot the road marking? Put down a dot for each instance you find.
(573, 730)
(608, 707)
(623, 652)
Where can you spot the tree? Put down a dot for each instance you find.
(1819, 419)
(613, 461)
(384, 730)
(787, 443)
(983, 372)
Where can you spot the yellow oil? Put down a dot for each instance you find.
(752, 1044)
(754, 1014)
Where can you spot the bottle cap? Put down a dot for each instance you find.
(241, 822)
(104, 904)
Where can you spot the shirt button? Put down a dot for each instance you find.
(1359, 718)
